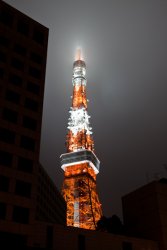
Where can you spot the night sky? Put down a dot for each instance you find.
(124, 45)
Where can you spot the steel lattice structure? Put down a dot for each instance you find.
(80, 164)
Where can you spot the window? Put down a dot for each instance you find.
(29, 123)
(20, 214)
(38, 36)
(31, 104)
(36, 58)
(2, 210)
(36, 73)
(81, 242)
(10, 115)
(6, 17)
(23, 188)
(12, 96)
(1, 73)
(15, 80)
(12, 241)
(4, 41)
(17, 64)
(2, 57)
(126, 245)
(4, 183)
(23, 27)
(6, 158)
(33, 88)
(25, 165)
(49, 237)
(20, 49)
(27, 143)
(7, 135)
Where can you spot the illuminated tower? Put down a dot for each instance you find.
(80, 164)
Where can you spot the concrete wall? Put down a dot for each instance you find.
(79, 239)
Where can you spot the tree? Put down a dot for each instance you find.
(111, 225)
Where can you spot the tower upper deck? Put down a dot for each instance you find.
(79, 73)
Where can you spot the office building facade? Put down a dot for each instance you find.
(145, 212)
(23, 53)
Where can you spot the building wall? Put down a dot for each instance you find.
(51, 206)
(145, 212)
(23, 50)
(62, 238)
(23, 53)
(161, 191)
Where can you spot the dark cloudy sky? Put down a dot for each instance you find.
(125, 48)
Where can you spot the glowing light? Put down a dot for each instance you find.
(79, 121)
(78, 54)
(81, 162)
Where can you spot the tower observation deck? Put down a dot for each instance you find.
(80, 164)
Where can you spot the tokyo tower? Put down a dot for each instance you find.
(80, 164)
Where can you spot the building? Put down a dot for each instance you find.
(50, 205)
(80, 164)
(57, 237)
(145, 212)
(23, 52)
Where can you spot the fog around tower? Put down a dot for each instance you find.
(124, 48)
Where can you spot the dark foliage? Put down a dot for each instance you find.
(111, 225)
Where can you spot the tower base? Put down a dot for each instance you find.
(79, 192)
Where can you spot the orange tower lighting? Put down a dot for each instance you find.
(80, 164)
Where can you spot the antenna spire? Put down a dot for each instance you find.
(78, 55)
